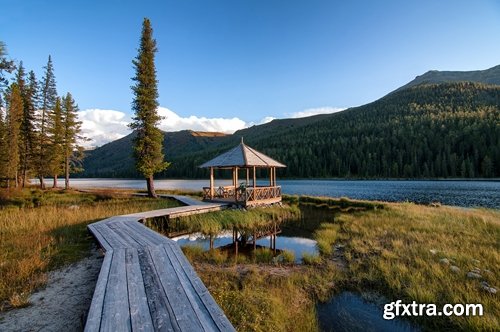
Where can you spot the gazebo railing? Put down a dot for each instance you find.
(243, 194)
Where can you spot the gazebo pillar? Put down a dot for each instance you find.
(248, 176)
(211, 183)
(254, 178)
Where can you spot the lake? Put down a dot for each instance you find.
(448, 192)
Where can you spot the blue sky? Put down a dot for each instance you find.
(250, 59)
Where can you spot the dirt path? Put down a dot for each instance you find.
(63, 304)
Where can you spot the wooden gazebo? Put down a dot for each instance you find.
(246, 193)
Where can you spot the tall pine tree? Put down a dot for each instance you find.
(56, 147)
(149, 158)
(14, 117)
(73, 153)
(48, 101)
(6, 65)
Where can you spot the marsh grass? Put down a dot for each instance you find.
(390, 250)
(34, 240)
(387, 250)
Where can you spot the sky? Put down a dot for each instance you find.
(223, 65)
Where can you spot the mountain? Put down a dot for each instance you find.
(422, 131)
(115, 158)
(488, 76)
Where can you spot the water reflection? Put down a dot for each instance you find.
(349, 312)
(298, 245)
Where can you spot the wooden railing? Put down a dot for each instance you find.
(243, 194)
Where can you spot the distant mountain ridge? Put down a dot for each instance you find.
(487, 76)
(424, 130)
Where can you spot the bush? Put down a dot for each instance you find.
(263, 255)
(311, 259)
(288, 257)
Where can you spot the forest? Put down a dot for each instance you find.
(39, 130)
(446, 130)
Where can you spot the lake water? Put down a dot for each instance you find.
(448, 192)
(299, 245)
(350, 312)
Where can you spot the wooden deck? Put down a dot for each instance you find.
(146, 282)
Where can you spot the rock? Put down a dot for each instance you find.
(487, 271)
(485, 286)
(435, 204)
(455, 269)
(473, 275)
(73, 207)
(433, 251)
(475, 261)
(476, 270)
(444, 261)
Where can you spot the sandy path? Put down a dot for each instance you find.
(63, 304)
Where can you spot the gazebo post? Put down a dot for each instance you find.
(211, 183)
(270, 176)
(236, 184)
(248, 176)
(254, 178)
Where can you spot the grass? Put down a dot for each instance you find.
(34, 240)
(389, 250)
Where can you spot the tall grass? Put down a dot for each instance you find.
(35, 240)
(390, 250)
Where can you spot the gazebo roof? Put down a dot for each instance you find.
(242, 156)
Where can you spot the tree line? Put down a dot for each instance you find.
(39, 130)
(449, 130)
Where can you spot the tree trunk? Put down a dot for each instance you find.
(66, 174)
(151, 187)
(42, 182)
(54, 185)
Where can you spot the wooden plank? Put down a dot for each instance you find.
(95, 312)
(116, 313)
(153, 237)
(110, 236)
(124, 235)
(161, 313)
(215, 311)
(139, 310)
(99, 237)
(196, 302)
(181, 306)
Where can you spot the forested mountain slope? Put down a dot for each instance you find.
(425, 131)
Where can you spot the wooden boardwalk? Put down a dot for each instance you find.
(146, 282)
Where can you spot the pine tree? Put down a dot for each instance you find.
(148, 153)
(3, 147)
(6, 65)
(29, 126)
(14, 117)
(73, 153)
(48, 100)
(56, 148)
(28, 94)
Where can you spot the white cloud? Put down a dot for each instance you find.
(103, 126)
(173, 122)
(315, 111)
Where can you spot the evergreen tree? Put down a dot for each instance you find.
(56, 149)
(3, 147)
(48, 101)
(148, 142)
(29, 126)
(14, 117)
(28, 94)
(6, 65)
(73, 153)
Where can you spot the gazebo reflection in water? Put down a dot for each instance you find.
(246, 193)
